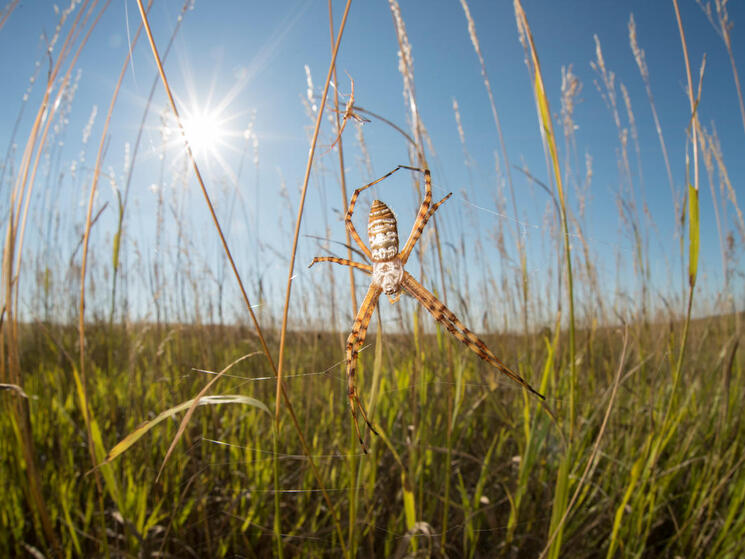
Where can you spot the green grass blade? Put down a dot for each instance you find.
(98, 445)
(409, 506)
(561, 497)
(693, 234)
(135, 435)
(635, 471)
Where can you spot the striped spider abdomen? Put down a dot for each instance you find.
(383, 232)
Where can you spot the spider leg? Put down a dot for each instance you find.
(425, 212)
(433, 209)
(418, 228)
(353, 201)
(343, 261)
(354, 342)
(446, 317)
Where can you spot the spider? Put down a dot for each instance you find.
(389, 277)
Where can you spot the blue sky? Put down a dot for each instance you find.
(251, 57)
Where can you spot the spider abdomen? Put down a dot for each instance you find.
(383, 232)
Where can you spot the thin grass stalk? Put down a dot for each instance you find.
(450, 396)
(722, 482)
(641, 488)
(23, 188)
(726, 187)
(21, 197)
(630, 213)
(706, 145)
(22, 178)
(342, 171)
(549, 138)
(7, 11)
(301, 206)
(25, 183)
(532, 445)
(726, 184)
(547, 133)
(592, 459)
(370, 483)
(21, 421)
(84, 260)
(634, 136)
(571, 88)
(723, 26)
(406, 68)
(133, 159)
(290, 273)
(641, 63)
(7, 163)
(265, 348)
(198, 174)
(693, 222)
(608, 81)
(277, 521)
(508, 171)
(355, 467)
(451, 366)
(26, 186)
(95, 446)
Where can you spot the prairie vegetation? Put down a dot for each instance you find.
(165, 431)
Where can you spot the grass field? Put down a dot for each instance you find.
(114, 442)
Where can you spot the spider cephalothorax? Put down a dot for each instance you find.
(389, 277)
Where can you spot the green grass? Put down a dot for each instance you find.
(681, 494)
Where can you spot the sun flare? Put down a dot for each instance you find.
(204, 132)
(211, 132)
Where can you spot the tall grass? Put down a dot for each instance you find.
(184, 435)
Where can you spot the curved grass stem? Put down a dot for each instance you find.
(277, 370)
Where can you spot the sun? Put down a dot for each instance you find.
(212, 133)
(205, 132)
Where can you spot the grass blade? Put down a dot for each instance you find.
(693, 235)
(122, 446)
